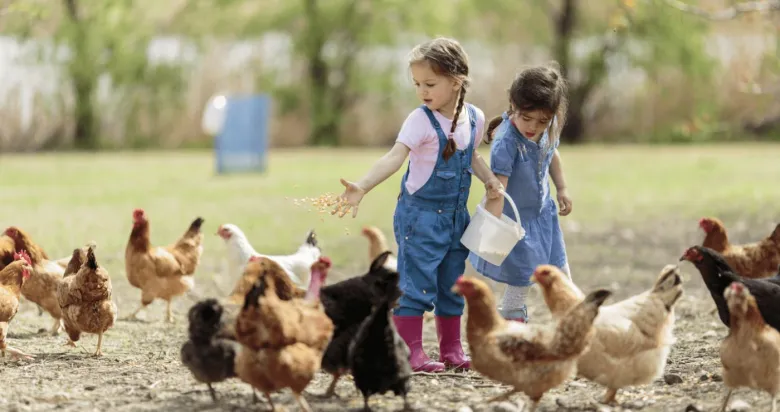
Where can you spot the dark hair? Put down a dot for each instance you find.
(446, 58)
(538, 88)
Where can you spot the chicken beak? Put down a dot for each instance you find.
(533, 278)
(455, 289)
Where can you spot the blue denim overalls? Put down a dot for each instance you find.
(428, 226)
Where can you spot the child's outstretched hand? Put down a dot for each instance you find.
(564, 202)
(350, 199)
(493, 187)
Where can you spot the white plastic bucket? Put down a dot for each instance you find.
(492, 238)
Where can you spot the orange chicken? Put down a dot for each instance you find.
(750, 354)
(162, 272)
(532, 358)
(85, 299)
(282, 341)
(12, 277)
(632, 337)
(41, 288)
(753, 260)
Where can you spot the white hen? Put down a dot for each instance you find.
(296, 265)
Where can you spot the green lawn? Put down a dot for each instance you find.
(65, 200)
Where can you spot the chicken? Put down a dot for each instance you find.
(378, 357)
(162, 272)
(296, 265)
(348, 303)
(718, 275)
(264, 266)
(209, 356)
(41, 288)
(754, 260)
(750, 354)
(532, 358)
(85, 300)
(8, 248)
(12, 278)
(282, 341)
(632, 338)
(268, 321)
(377, 243)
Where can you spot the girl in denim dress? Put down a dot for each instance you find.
(440, 138)
(524, 154)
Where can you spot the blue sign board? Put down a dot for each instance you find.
(242, 144)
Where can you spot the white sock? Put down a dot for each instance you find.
(513, 301)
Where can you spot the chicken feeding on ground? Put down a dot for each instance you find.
(632, 338)
(85, 299)
(208, 355)
(41, 288)
(718, 275)
(750, 354)
(296, 265)
(282, 341)
(753, 260)
(264, 266)
(532, 358)
(378, 357)
(348, 303)
(377, 243)
(12, 278)
(162, 272)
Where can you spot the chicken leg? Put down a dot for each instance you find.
(212, 392)
(169, 315)
(332, 388)
(726, 400)
(502, 397)
(132, 316)
(55, 328)
(774, 403)
(14, 353)
(301, 402)
(609, 397)
(98, 352)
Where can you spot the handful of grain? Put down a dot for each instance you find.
(324, 203)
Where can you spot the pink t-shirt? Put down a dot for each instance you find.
(417, 133)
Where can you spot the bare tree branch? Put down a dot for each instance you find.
(758, 6)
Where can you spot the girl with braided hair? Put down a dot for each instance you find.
(440, 138)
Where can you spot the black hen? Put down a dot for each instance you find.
(718, 275)
(348, 303)
(206, 354)
(378, 357)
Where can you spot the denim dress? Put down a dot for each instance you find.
(527, 164)
(428, 225)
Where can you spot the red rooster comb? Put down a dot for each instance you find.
(737, 287)
(254, 258)
(23, 255)
(138, 213)
(325, 261)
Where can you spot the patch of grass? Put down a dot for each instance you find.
(63, 200)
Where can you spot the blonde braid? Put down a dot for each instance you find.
(451, 147)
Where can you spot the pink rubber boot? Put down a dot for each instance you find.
(450, 348)
(410, 329)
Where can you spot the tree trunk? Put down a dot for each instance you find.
(565, 22)
(325, 119)
(83, 79)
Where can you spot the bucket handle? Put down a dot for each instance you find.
(518, 227)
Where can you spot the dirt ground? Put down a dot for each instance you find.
(141, 370)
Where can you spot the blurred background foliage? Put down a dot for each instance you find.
(94, 74)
